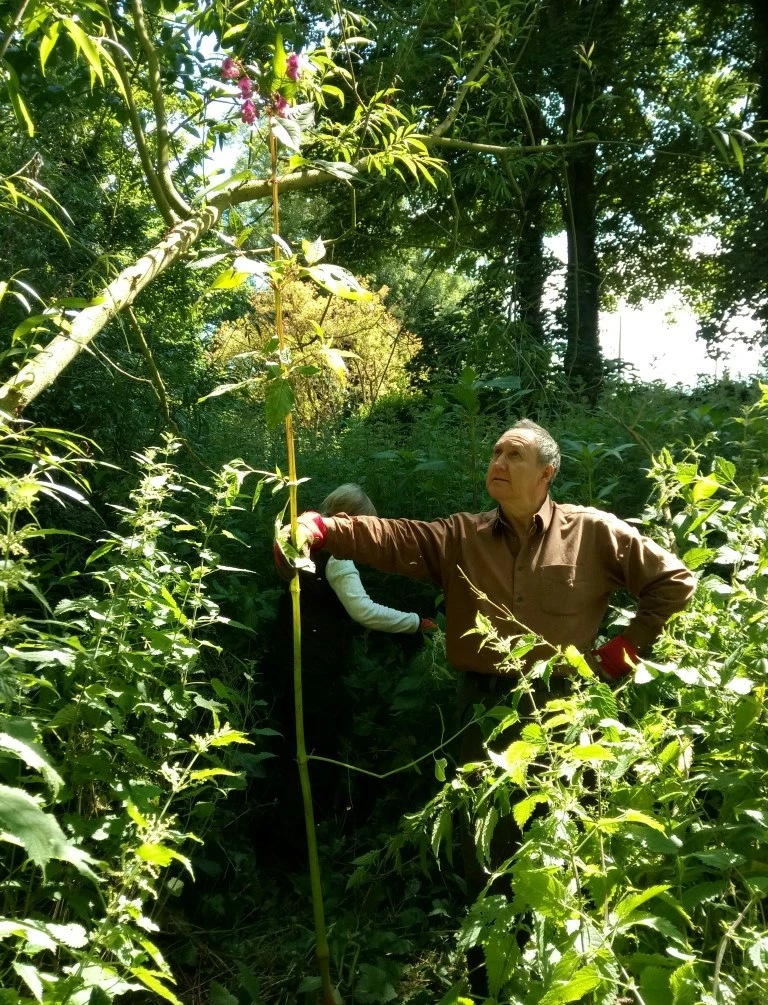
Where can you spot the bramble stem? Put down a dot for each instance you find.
(321, 941)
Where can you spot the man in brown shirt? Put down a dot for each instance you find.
(531, 565)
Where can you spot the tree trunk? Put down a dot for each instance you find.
(583, 356)
(530, 271)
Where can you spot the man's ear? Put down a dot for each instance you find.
(548, 473)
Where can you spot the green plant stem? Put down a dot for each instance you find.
(321, 941)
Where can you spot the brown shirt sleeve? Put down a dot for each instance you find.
(414, 548)
(659, 580)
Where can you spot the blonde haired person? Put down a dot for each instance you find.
(344, 579)
(333, 598)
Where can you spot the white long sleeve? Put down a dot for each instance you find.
(344, 579)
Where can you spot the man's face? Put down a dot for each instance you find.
(516, 476)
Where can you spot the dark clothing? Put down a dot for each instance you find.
(557, 582)
(326, 639)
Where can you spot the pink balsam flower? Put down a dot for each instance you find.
(230, 70)
(293, 66)
(246, 86)
(281, 106)
(249, 112)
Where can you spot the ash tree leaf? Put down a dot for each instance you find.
(278, 401)
(24, 823)
(204, 263)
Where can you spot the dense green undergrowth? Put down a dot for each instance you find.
(135, 735)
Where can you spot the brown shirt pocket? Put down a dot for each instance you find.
(566, 589)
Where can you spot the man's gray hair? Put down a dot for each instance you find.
(546, 445)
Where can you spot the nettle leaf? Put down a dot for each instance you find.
(522, 811)
(161, 855)
(43, 935)
(278, 400)
(24, 823)
(582, 982)
(31, 978)
(19, 737)
(220, 995)
(626, 906)
(705, 487)
(591, 752)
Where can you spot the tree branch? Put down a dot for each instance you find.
(162, 137)
(13, 26)
(153, 181)
(470, 78)
(430, 140)
(41, 372)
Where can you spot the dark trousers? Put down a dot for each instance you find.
(490, 690)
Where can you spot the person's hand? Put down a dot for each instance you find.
(616, 658)
(427, 625)
(311, 537)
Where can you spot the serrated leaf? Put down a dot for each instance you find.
(704, 488)
(338, 281)
(151, 980)
(161, 855)
(582, 982)
(31, 978)
(19, 737)
(24, 823)
(220, 996)
(229, 279)
(41, 935)
(278, 401)
(626, 906)
(335, 362)
(591, 752)
(314, 251)
(287, 132)
(522, 811)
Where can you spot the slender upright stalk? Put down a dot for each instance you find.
(321, 941)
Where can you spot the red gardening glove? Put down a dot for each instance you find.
(427, 625)
(617, 658)
(312, 528)
(311, 536)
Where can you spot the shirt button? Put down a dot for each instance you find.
(518, 600)
(519, 568)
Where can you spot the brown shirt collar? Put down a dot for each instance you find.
(541, 519)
